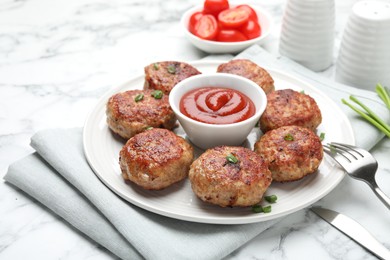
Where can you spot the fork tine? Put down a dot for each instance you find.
(339, 153)
(346, 151)
(328, 149)
(358, 150)
(339, 157)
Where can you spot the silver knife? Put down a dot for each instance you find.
(354, 230)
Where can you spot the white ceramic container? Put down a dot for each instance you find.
(206, 135)
(307, 34)
(364, 56)
(265, 21)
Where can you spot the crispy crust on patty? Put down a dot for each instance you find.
(127, 117)
(155, 159)
(290, 107)
(290, 160)
(217, 181)
(249, 70)
(165, 75)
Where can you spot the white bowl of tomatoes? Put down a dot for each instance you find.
(220, 27)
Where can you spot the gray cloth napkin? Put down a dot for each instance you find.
(58, 176)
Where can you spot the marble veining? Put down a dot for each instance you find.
(57, 58)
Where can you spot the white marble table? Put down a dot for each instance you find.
(58, 57)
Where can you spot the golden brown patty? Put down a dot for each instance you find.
(289, 107)
(155, 159)
(292, 152)
(216, 180)
(250, 70)
(166, 74)
(127, 117)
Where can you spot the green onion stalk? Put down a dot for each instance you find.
(370, 115)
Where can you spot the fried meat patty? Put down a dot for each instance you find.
(127, 115)
(292, 152)
(155, 159)
(216, 180)
(290, 107)
(165, 75)
(249, 70)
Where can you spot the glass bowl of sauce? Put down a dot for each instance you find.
(217, 109)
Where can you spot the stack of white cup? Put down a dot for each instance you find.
(364, 57)
(307, 34)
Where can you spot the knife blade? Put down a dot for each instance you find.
(354, 230)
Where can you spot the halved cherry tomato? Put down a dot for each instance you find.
(251, 29)
(251, 12)
(214, 7)
(193, 21)
(233, 18)
(206, 27)
(230, 35)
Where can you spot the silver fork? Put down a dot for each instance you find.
(359, 164)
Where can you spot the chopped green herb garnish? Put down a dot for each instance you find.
(271, 198)
(157, 94)
(257, 208)
(332, 149)
(302, 91)
(148, 127)
(231, 158)
(171, 69)
(289, 137)
(267, 209)
(139, 97)
(155, 66)
(260, 209)
(322, 136)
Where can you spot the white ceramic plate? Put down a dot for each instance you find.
(178, 201)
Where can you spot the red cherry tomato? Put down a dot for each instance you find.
(214, 7)
(251, 29)
(207, 27)
(194, 20)
(230, 35)
(251, 12)
(233, 18)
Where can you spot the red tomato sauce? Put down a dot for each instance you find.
(214, 105)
